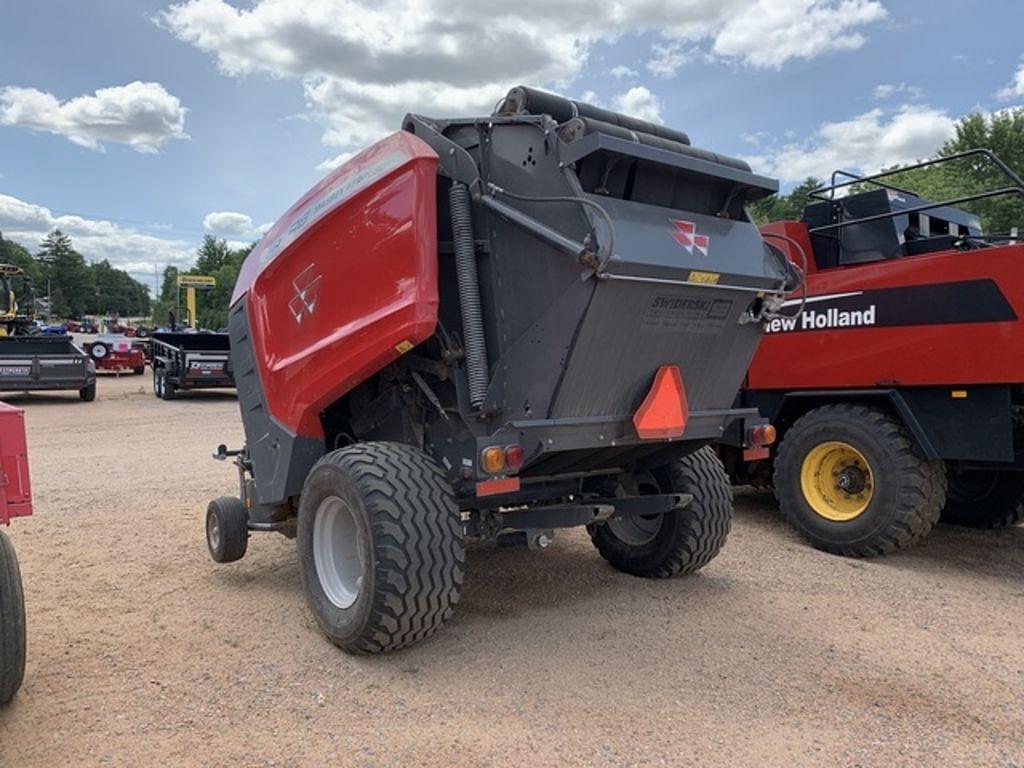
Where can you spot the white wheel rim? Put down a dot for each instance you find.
(213, 532)
(338, 552)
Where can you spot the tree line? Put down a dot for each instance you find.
(74, 287)
(1002, 132)
(214, 258)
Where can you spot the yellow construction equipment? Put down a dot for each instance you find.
(191, 283)
(13, 322)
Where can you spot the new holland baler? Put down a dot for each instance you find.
(495, 327)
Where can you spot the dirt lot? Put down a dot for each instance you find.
(143, 652)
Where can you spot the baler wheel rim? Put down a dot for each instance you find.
(822, 476)
(338, 552)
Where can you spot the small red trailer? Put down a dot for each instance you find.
(15, 501)
(117, 353)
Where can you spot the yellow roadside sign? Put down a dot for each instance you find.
(196, 281)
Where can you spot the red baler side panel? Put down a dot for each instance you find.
(967, 353)
(346, 281)
(15, 487)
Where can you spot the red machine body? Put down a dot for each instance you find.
(15, 487)
(943, 318)
(347, 280)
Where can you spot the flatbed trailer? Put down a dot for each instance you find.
(185, 361)
(44, 362)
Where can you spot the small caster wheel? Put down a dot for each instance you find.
(227, 529)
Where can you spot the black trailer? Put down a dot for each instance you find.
(44, 362)
(183, 361)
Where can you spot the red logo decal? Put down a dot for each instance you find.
(686, 235)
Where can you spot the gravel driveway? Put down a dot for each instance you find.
(143, 652)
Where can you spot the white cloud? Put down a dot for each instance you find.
(866, 143)
(335, 162)
(621, 70)
(888, 90)
(363, 64)
(768, 33)
(236, 228)
(1015, 88)
(142, 115)
(666, 59)
(638, 101)
(96, 239)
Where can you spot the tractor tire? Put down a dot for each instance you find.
(12, 623)
(988, 499)
(680, 542)
(852, 481)
(227, 529)
(88, 392)
(381, 549)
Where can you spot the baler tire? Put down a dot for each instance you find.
(689, 538)
(409, 548)
(1000, 506)
(88, 392)
(906, 493)
(139, 371)
(227, 529)
(12, 623)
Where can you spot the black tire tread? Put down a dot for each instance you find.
(922, 483)
(234, 528)
(417, 537)
(1002, 509)
(167, 389)
(12, 623)
(702, 526)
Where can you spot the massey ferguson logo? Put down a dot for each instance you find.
(307, 293)
(686, 235)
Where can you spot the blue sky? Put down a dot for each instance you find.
(138, 126)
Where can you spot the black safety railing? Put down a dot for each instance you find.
(827, 193)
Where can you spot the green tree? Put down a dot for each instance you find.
(785, 207)
(211, 256)
(71, 286)
(214, 258)
(1002, 132)
(118, 292)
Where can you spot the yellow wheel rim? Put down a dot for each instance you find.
(837, 481)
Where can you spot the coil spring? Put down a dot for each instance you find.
(469, 294)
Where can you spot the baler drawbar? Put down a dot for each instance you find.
(496, 327)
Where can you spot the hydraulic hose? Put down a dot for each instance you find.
(469, 294)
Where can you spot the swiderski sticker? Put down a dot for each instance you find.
(967, 301)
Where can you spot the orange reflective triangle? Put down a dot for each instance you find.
(664, 411)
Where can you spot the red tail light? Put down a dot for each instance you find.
(514, 457)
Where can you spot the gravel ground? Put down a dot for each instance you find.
(143, 652)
